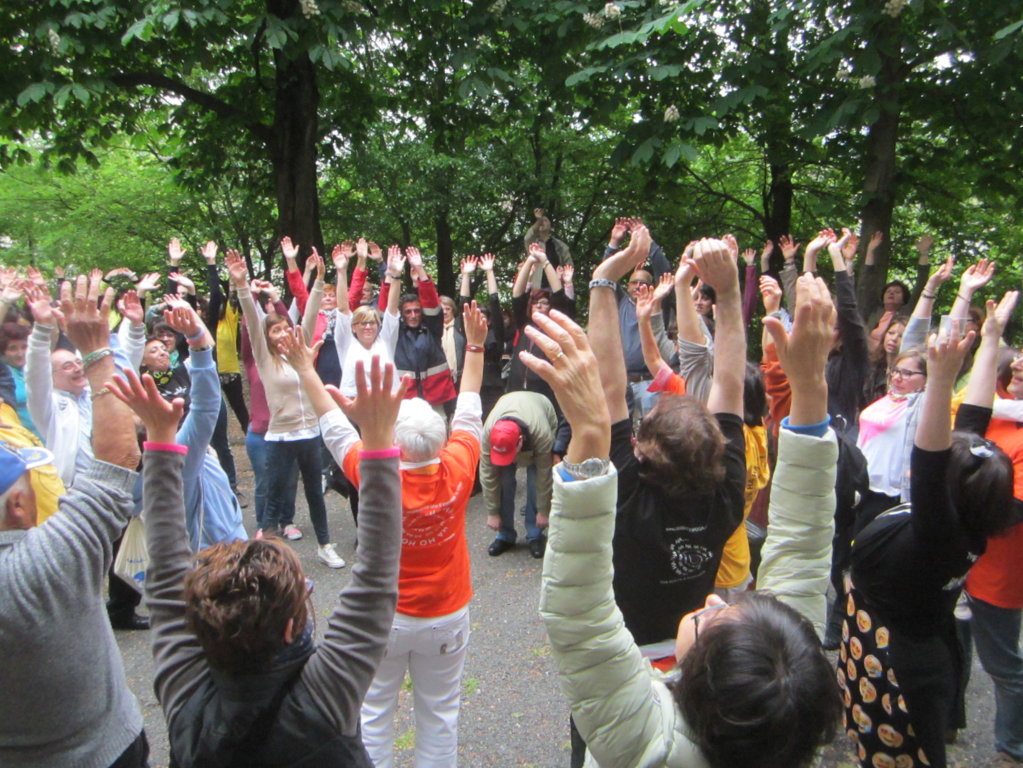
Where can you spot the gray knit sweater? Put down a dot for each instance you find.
(65, 700)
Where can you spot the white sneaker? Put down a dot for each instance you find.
(292, 533)
(329, 556)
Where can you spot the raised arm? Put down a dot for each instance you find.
(312, 308)
(690, 326)
(919, 324)
(395, 267)
(944, 360)
(475, 326)
(974, 278)
(522, 276)
(38, 369)
(648, 304)
(340, 258)
(715, 266)
(604, 333)
(984, 374)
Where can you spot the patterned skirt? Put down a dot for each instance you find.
(876, 717)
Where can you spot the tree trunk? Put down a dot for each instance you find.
(293, 152)
(880, 171)
(445, 255)
(778, 206)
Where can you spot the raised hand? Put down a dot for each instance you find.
(288, 248)
(395, 262)
(945, 358)
(567, 272)
(824, 237)
(976, 276)
(236, 268)
(487, 262)
(685, 272)
(924, 243)
(172, 300)
(942, 275)
(713, 262)
(765, 255)
(40, 304)
(788, 247)
(836, 248)
(317, 261)
(149, 283)
(340, 257)
(875, 241)
(468, 265)
(749, 256)
(12, 288)
(160, 417)
(361, 248)
(131, 308)
(88, 325)
(998, 316)
(771, 293)
(618, 231)
(36, 277)
(733, 246)
(415, 259)
(475, 324)
(537, 253)
(175, 251)
(374, 252)
(301, 356)
(375, 407)
(209, 252)
(183, 319)
(181, 279)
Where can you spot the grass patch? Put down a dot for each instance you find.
(407, 740)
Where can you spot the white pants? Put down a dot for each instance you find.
(433, 651)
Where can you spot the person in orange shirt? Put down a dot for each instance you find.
(431, 626)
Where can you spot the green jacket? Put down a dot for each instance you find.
(623, 711)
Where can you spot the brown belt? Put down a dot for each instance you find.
(637, 377)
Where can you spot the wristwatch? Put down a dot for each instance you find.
(585, 470)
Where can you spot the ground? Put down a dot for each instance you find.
(513, 712)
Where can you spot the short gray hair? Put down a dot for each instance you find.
(419, 431)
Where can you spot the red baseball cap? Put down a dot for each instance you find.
(504, 442)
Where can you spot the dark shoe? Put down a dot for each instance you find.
(133, 621)
(499, 547)
(537, 547)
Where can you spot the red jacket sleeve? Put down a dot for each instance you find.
(297, 286)
(355, 288)
(428, 296)
(779, 392)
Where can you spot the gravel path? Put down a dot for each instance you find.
(513, 712)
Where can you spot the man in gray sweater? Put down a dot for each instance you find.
(65, 698)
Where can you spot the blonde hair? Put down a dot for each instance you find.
(364, 314)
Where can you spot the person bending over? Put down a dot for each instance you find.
(238, 675)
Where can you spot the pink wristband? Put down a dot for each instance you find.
(169, 447)
(384, 453)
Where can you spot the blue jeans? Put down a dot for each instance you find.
(508, 487)
(255, 446)
(281, 456)
(996, 636)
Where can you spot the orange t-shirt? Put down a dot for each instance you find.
(433, 576)
(997, 576)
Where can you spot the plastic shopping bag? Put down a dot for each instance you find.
(133, 557)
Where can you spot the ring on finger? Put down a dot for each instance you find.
(558, 356)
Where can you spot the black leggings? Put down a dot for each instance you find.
(231, 384)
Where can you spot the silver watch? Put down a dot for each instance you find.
(584, 470)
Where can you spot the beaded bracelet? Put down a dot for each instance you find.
(95, 356)
(602, 282)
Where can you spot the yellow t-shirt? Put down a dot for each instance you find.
(735, 559)
(46, 482)
(227, 341)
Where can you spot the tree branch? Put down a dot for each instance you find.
(199, 98)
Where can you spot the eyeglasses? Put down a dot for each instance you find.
(698, 614)
(904, 373)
